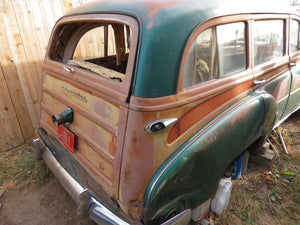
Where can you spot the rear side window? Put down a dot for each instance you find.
(268, 40)
(101, 48)
(217, 52)
(294, 36)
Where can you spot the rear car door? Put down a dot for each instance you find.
(270, 59)
(88, 67)
(294, 49)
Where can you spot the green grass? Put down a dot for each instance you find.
(266, 195)
(269, 195)
(19, 166)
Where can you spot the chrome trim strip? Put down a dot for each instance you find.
(182, 218)
(102, 215)
(259, 82)
(77, 95)
(285, 118)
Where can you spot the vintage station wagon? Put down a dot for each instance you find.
(145, 104)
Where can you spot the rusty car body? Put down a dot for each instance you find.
(140, 129)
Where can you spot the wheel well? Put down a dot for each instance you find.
(256, 146)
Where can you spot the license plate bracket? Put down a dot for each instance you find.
(66, 137)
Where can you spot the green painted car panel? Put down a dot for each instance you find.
(179, 182)
(280, 94)
(293, 101)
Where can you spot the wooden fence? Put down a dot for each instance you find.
(25, 27)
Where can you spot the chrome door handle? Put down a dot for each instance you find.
(159, 125)
(259, 82)
(70, 70)
(293, 64)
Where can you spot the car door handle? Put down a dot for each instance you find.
(259, 82)
(70, 70)
(159, 125)
(293, 64)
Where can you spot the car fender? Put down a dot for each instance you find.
(191, 174)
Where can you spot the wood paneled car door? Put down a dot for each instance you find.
(270, 59)
(294, 49)
(88, 67)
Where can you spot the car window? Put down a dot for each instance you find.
(217, 52)
(268, 40)
(100, 48)
(231, 48)
(294, 36)
(86, 47)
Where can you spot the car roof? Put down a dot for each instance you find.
(158, 12)
(165, 26)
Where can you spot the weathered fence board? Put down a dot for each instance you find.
(10, 130)
(25, 27)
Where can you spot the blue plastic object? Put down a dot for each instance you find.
(237, 167)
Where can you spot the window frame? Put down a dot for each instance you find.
(220, 59)
(248, 19)
(264, 68)
(297, 20)
(294, 54)
(216, 64)
(86, 77)
(229, 80)
(284, 50)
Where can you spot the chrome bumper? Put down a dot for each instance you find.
(87, 205)
(75, 180)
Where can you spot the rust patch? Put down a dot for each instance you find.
(113, 146)
(134, 139)
(155, 7)
(137, 162)
(101, 108)
(135, 203)
(281, 90)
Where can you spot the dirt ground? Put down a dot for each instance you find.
(39, 205)
(29, 203)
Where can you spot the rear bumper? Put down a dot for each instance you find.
(83, 189)
(88, 205)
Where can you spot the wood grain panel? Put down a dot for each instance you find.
(102, 140)
(97, 106)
